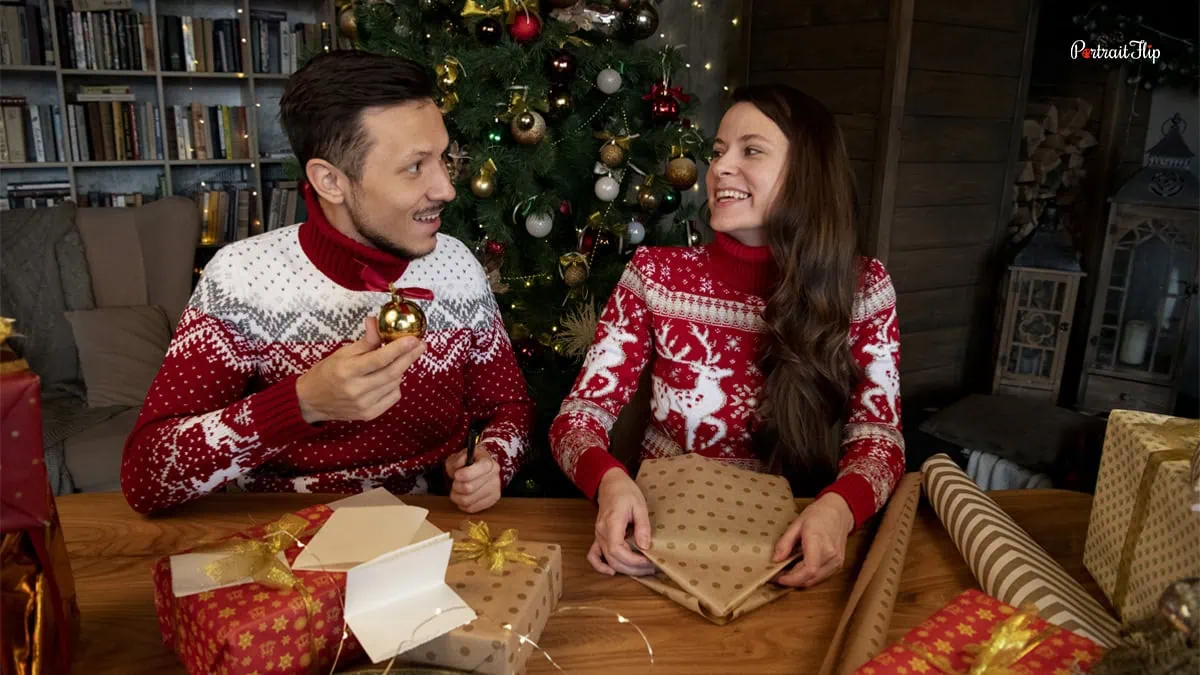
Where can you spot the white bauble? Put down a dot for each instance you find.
(636, 232)
(539, 224)
(608, 81)
(607, 189)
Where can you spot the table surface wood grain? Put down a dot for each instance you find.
(112, 549)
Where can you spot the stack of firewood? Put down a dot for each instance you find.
(1051, 163)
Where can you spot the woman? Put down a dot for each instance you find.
(760, 344)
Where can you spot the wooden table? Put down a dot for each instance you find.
(112, 549)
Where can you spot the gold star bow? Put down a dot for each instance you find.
(495, 553)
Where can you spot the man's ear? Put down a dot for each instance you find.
(327, 180)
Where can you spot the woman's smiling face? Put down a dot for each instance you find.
(749, 164)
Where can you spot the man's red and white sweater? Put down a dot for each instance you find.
(223, 407)
(695, 316)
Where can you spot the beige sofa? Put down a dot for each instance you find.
(139, 265)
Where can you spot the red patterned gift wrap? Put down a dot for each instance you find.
(976, 627)
(256, 627)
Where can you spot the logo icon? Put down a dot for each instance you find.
(1134, 50)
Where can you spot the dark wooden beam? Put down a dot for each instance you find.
(889, 128)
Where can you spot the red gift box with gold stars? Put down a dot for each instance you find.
(976, 626)
(255, 627)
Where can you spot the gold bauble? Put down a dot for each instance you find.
(529, 127)
(612, 155)
(575, 274)
(682, 173)
(483, 185)
(401, 318)
(648, 200)
(348, 23)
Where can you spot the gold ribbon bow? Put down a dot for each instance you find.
(507, 9)
(518, 103)
(1009, 642)
(488, 169)
(494, 553)
(14, 365)
(258, 559)
(609, 137)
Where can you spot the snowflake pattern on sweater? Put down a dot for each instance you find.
(701, 337)
(223, 408)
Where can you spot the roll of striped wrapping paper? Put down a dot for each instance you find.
(1007, 562)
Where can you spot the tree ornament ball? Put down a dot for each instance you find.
(682, 173)
(669, 201)
(575, 274)
(400, 318)
(560, 102)
(525, 27)
(607, 189)
(561, 66)
(539, 224)
(648, 200)
(640, 21)
(608, 81)
(622, 5)
(612, 155)
(636, 232)
(495, 248)
(664, 108)
(483, 185)
(489, 31)
(529, 128)
(348, 23)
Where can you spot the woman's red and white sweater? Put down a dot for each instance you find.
(223, 407)
(695, 316)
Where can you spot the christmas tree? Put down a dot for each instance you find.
(570, 146)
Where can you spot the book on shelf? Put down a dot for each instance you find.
(282, 203)
(108, 124)
(198, 131)
(109, 199)
(33, 195)
(30, 133)
(111, 40)
(25, 37)
(198, 45)
(226, 213)
(279, 47)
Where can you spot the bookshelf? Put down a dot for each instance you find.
(259, 93)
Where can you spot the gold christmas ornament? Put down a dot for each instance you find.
(400, 318)
(529, 127)
(612, 155)
(348, 23)
(483, 185)
(648, 199)
(682, 173)
(573, 267)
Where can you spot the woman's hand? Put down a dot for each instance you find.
(822, 528)
(621, 503)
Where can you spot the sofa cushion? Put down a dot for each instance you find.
(44, 272)
(120, 350)
(94, 455)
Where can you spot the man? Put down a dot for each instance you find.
(277, 379)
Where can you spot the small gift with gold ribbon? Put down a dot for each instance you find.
(1143, 533)
(39, 614)
(977, 634)
(513, 585)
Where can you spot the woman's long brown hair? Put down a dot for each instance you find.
(811, 232)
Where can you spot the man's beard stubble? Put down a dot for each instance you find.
(368, 232)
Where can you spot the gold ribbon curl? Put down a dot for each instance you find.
(259, 560)
(494, 553)
(507, 9)
(1010, 641)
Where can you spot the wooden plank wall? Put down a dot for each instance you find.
(960, 97)
(964, 88)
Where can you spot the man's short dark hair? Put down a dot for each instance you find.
(322, 105)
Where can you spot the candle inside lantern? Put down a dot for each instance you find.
(1134, 343)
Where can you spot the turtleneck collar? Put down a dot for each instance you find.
(748, 269)
(345, 261)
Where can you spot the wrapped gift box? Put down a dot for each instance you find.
(511, 604)
(39, 615)
(951, 640)
(249, 627)
(1143, 534)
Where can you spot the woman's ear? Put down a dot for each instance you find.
(327, 180)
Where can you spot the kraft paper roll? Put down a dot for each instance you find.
(862, 631)
(1007, 562)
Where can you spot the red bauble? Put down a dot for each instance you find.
(664, 109)
(587, 242)
(495, 248)
(525, 27)
(564, 207)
